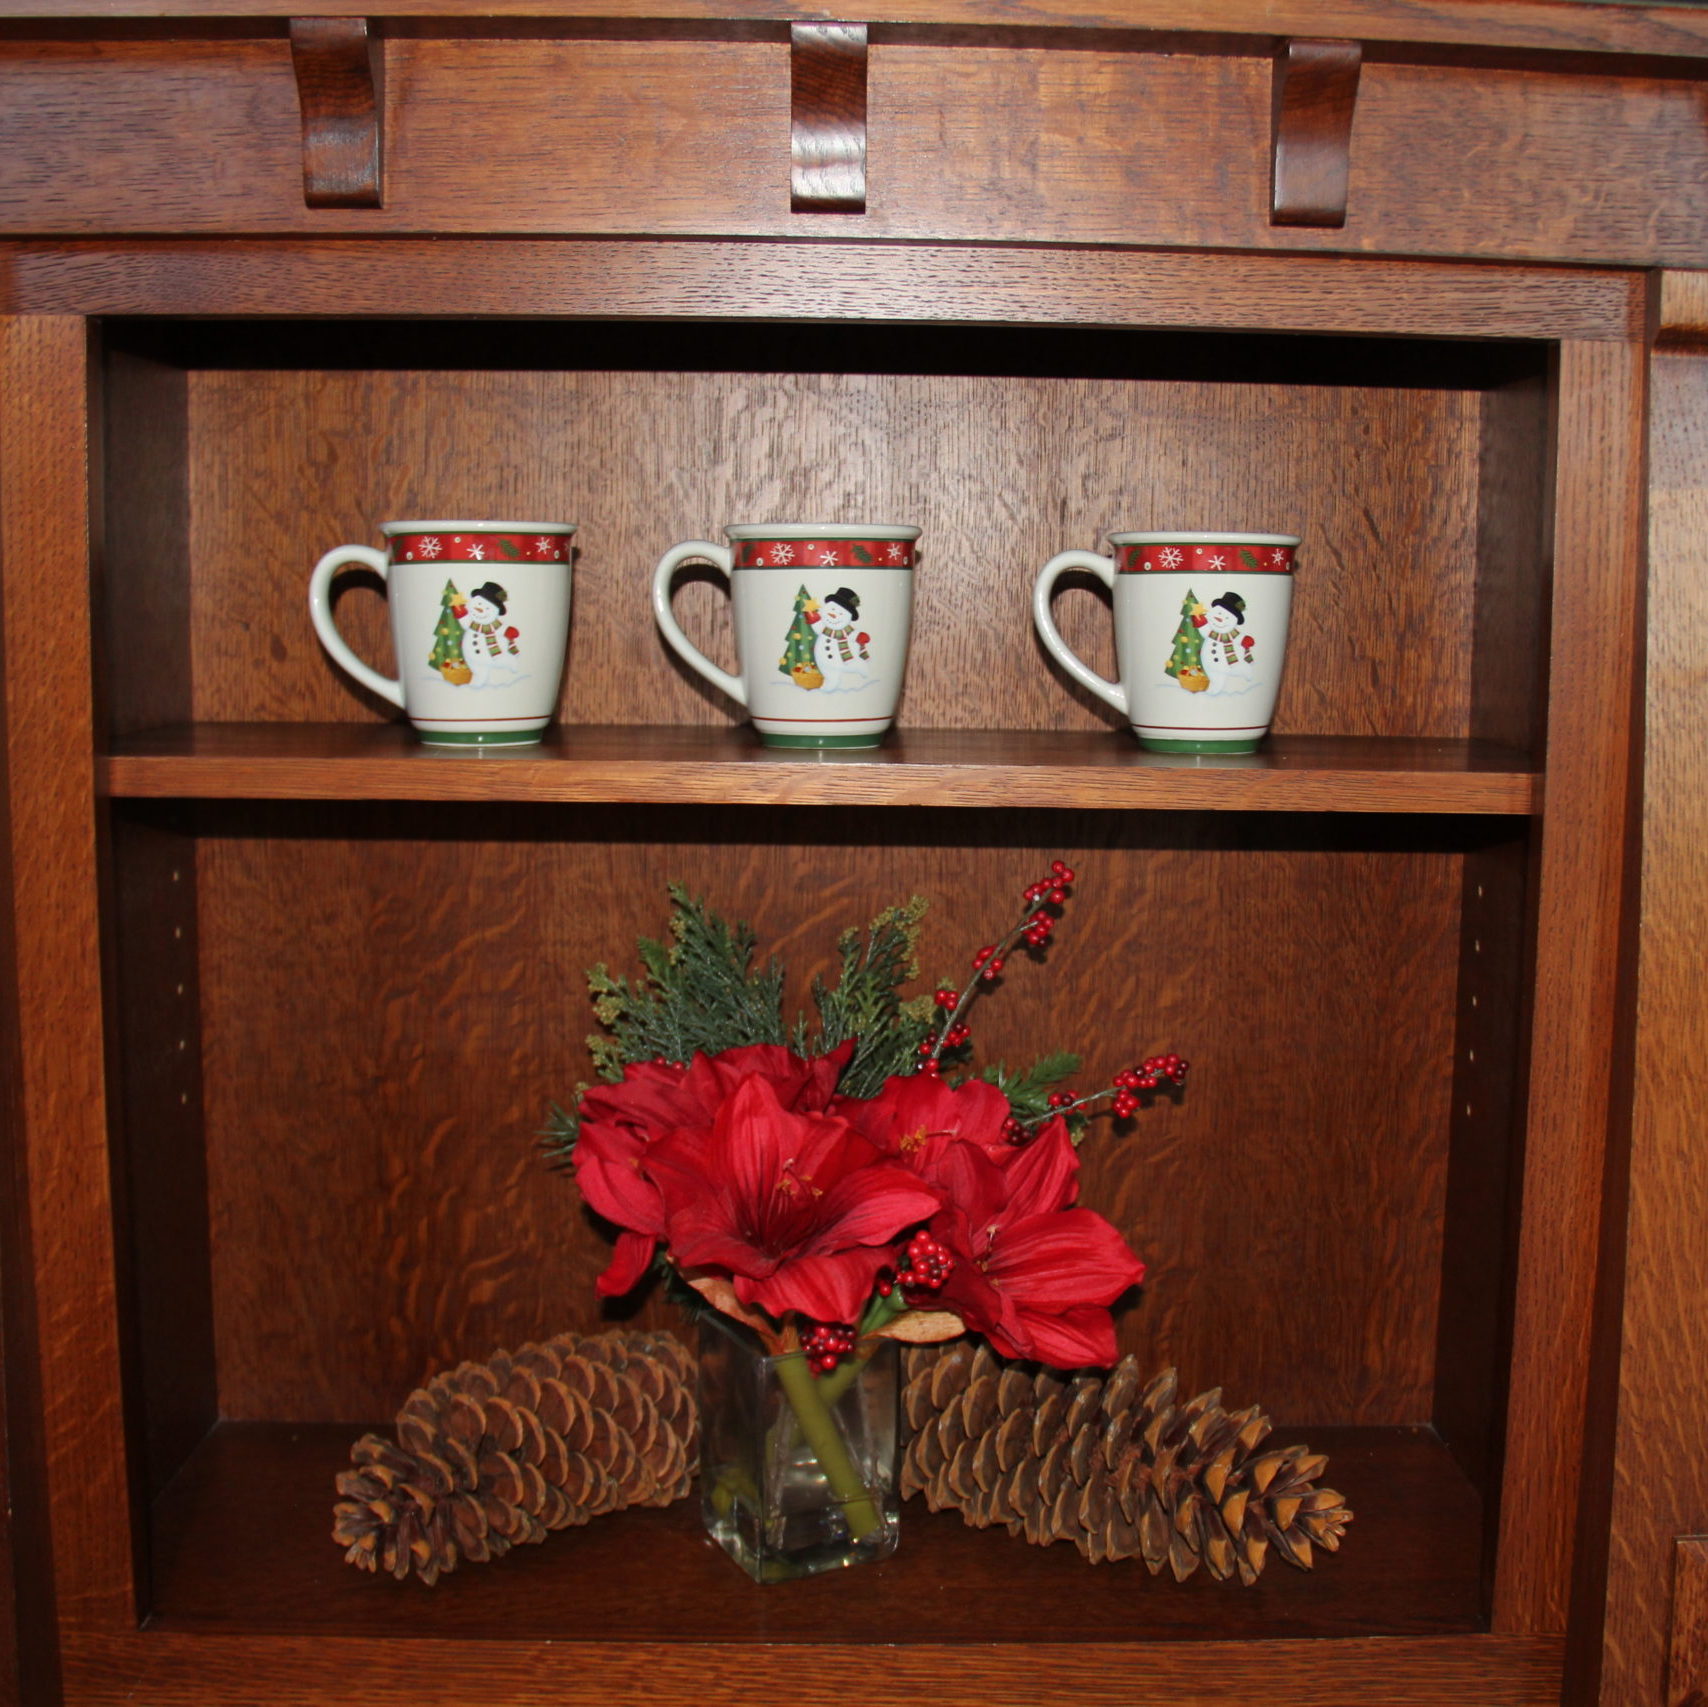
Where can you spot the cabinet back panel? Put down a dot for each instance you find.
(1001, 472)
(392, 997)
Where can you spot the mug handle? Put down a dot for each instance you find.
(684, 648)
(320, 614)
(1104, 569)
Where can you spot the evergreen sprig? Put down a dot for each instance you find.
(699, 993)
(865, 1003)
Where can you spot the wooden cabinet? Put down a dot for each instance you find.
(294, 993)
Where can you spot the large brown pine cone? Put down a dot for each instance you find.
(491, 1455)
(1122, 1469)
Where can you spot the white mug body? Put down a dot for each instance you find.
(480, 626)
(823, 616)
(1201, 625)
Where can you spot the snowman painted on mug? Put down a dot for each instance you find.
(488, 644)
(1225, 655)
(839, 645)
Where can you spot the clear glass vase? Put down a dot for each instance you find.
(797, 1471)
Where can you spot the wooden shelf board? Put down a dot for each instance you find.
(727, 766)
(242, 1543)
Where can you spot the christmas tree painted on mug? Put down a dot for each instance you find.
(447, 654)
(1185, 655)
(797, 660)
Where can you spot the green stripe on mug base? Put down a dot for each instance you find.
(1242, 744)
(479, 737)
(872, 740)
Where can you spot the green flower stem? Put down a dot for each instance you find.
(812, 1412)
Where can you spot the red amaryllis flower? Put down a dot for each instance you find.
(1032, 1274)
(621, 1122)
(913, 1119)
(797, 1210)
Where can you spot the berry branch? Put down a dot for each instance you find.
(1044, 901)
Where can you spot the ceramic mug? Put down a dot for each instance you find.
(822, 615)
(479, 622)
(1200, 634)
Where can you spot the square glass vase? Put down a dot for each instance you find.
(797, 1470)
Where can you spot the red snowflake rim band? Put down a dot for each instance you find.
(480, 547)
(1207, 558)
(824, 554)
(1204, 559)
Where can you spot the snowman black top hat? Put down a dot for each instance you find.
(1233, 603)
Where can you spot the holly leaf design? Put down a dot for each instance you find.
(508, 548)
(1248, 558)
(862, 555)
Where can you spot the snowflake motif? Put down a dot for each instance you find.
(1170, 558)
(1218, 563)
(478, 553)
(828, 558)
(545, 545)
(782, 554)
(1278, 555)
(430, 547)
(895, 553)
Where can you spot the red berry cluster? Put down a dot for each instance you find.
(928, 1266)
(1052, 891)
(826, 1344)
(1147, 1076)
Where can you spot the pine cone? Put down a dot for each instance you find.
(492, 1455)
(1121, 1471)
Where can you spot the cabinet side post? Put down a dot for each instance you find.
(1654, 1469)
(1585, 920)
(49, 756)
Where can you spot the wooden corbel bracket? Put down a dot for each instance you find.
(340, 69)
(827, 118)
(1314, 93)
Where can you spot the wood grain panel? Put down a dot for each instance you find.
(982, 140)
(393, 996)
(1489, 1055)
(159, 1149)
(205, 1670)
(1509, 670)
(640, 460)
(44, 560)
(1583, 917)
(742, 281)
(1660, 1488)
(142, 637)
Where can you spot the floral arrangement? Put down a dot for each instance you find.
(855, 1181)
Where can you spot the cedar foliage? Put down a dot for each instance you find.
(699, 992)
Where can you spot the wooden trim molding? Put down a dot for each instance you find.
(827, 118)
(1314, 95)
(340, 73)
